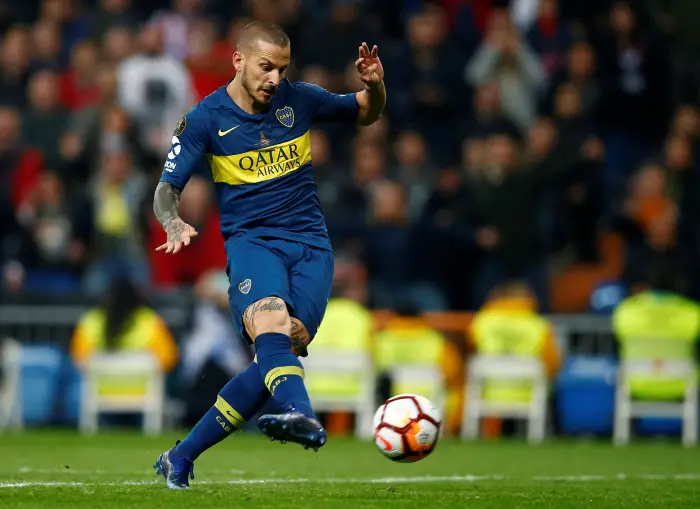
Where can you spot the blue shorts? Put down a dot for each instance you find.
(299, 274)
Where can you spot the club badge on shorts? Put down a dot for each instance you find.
(244, 286)
(285, 116)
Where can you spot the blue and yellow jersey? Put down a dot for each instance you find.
(261, 164)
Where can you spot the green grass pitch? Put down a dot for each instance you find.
(65, 470)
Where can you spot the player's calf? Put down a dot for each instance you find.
(240, 399)
(269, 325)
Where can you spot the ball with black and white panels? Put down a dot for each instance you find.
(407, 428)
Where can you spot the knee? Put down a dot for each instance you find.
(267, 315)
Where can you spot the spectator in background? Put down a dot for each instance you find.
(505, 58)
(649, 200)
(110, 13)
(375, 134)
(677, 157)
(634, 74)
(686, 123)
(118, 44)
(580, 72)
(92, 127)
(224, 46)
(57, 226)
(117, 195)
(441, 233)
(327, 175)
(198, 209)
(679, 161)
(426, 80)
(578, 198)
(46, 38)
(678, 19)
(524, 13)
(467, 19)
(156, 90)
(474, 155)
(488, 115)
(45, 119)
(20, 166)
(413, 170)
(550, 36)
(79, 88)
(123, 323)
(574, 127)
(65, 15)
(14, 67)
(388, 237)
(339, 31)
(683, 174)
(651, 225)
(659, 251)
(346, 219)
(317, 75)
(175, 24)
(506, 211)
(209, 70)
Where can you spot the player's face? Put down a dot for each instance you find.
(263, 69)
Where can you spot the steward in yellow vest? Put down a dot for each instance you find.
(657, 325)
(123, 323)
(508, 325)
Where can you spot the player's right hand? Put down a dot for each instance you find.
(179, 234)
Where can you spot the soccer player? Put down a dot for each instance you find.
(254, 135)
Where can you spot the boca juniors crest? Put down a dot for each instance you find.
(244, 286)
(285, 116)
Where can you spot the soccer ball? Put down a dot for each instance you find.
(407, 428)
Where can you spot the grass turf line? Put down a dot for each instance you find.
(113, 470)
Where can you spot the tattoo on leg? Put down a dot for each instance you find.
(266, 304)
(299, 339)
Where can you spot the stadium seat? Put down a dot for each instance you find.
(628, 407)
(10, 402)
(339, 374)
(585, 395)
(123, 383)
(40, 383)
(413, 359)
(484, 370)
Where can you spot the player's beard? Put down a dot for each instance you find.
(252, 91)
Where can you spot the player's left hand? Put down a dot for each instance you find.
(369, 66)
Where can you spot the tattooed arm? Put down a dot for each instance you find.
(165, 204)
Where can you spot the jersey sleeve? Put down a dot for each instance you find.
(329, 106)
(189, 145)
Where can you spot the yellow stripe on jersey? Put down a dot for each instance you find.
(262, 164)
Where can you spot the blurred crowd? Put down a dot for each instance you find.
(516, 136)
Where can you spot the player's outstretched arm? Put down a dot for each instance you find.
(372, 99)
(165, 204)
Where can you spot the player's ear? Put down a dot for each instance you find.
(237, 60)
